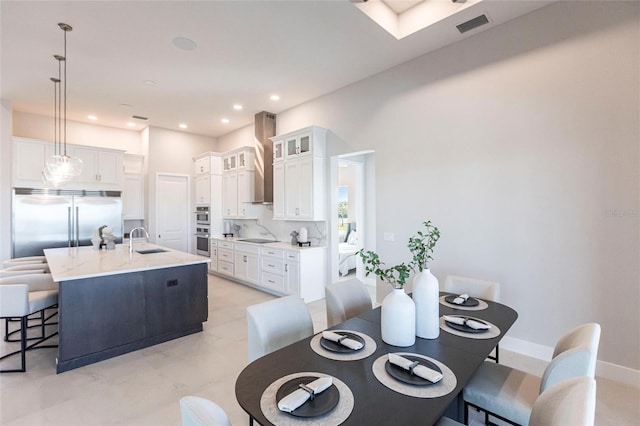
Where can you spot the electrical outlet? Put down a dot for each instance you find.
(389, 236)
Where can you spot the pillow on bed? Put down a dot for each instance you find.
(353, 238)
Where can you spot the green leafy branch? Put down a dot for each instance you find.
(421, 246)
(395, 275)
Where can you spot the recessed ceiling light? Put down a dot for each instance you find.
(150, 82)
(275, 97)
(182, 126)
(184, 43)
(92, 117)
(225, 120)
(130, 124)
(237, 107)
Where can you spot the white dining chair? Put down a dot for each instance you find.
(569, 402)
(509, 394)
(346, 299)
(481, 289)
(197, 411)
(20, 297)
(488, 290)
(277, 323)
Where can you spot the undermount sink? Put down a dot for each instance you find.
(257, 241)
(149, 251)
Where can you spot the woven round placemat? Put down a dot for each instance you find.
(481, 305)
(369, 348)
(443, 387)
(494, 331)
(339, 414)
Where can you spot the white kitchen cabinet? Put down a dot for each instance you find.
(278, 191)
(213, 255)
(102, 169)
(202, 185)
(278, 150)
(247, 263)
(226, 258)
(230, 195)
(299, 179)
(298, 144)
(133, 197)
(29, 157)
(99, 166)
(133, 187)
(299, 272)
(202, 166)
(238, 185)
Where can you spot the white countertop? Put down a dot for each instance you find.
(75, 263)
(284, 245)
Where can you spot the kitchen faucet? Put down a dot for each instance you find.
(139, 228)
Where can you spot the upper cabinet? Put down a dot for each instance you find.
(208, 163)
(101, 168)
(133, 187)
(299, 175)
(238, 184)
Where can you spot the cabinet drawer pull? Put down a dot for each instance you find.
(271, 281)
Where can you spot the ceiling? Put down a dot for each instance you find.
(122, 59)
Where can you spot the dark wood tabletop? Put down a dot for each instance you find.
(375, 404)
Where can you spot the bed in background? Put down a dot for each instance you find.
(347, 251)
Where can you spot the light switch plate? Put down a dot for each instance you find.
(389, 236)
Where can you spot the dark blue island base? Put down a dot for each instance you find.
(103, 317)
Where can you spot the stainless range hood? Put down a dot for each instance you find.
(265, 128)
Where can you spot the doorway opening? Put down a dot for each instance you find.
(352, 223)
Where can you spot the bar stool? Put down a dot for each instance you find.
(18, 302)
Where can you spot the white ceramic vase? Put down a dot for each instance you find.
(398, 325)
(426, 296)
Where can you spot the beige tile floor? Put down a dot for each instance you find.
(144, 387)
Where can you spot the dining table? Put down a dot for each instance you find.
(367, 394)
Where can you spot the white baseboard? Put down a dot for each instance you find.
(607, 370)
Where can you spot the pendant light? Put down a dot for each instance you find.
(61, 168)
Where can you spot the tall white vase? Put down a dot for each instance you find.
(426, 298)
(398, 319)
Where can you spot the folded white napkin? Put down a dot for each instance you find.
(298, 397)
(476, 325)
(419, 370)
(343, 340)
(461, 299)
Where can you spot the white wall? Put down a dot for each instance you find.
(41, 127)
(521, 145)
(170, 152)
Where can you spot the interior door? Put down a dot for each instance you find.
(172, 211)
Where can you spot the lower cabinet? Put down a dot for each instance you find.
(225, 258)
(279, 271)
(247, 263)
(213, 255)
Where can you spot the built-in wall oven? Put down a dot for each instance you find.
(202, 215)
(202, 240)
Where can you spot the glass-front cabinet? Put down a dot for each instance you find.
(299, 145)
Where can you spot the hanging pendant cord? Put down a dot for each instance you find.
(65, 92)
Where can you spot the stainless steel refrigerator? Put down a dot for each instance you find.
(44, 218)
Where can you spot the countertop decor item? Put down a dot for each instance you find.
(303, 235)
(398, 313)
(294, 237)
(425, 285)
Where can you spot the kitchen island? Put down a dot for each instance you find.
(112, 302)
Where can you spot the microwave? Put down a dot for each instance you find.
(202, 216)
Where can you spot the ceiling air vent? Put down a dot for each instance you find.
(471, 24)
(139, 117)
